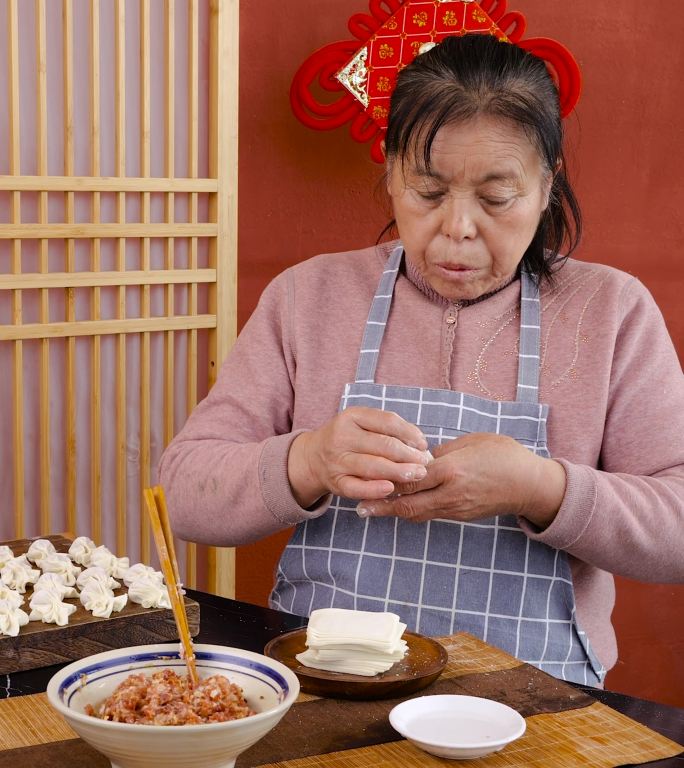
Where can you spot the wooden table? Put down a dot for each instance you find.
(229, 622)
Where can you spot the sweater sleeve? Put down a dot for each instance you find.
(225, 473)
(627, 516)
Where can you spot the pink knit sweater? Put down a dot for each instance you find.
(610, 375)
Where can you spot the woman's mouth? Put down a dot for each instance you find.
(455, 271)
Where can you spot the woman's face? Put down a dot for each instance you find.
(467, 222)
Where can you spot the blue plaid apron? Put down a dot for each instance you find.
(486, 577)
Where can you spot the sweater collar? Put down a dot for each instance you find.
(417, 279)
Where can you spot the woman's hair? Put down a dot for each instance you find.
(476, 74)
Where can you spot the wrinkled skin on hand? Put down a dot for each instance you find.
(362, 453)
(476, 476)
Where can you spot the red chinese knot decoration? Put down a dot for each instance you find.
(362, 78)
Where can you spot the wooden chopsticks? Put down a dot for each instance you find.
(163, 538)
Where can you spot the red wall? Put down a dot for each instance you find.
(303, 192)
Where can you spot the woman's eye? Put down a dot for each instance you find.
(496, 202)
(431, 196)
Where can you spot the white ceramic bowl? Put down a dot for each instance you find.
(457, 727)
(269, 687)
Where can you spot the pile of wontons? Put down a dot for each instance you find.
(87, 573)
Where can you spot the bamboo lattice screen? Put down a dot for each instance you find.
(118, 169)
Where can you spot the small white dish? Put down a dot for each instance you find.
(457, 727)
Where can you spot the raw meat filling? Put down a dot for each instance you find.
(165, 698)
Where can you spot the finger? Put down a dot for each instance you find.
(389, 448)
(355, 488)
(445, 448)
(472, 439)
(410, 507)
(371, 467)
(431, 480)
(390, 424)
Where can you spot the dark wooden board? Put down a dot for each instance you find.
(423, 664)
(41, 645)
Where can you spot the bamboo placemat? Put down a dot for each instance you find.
(30, 720)
(566, 728)
(595, 737)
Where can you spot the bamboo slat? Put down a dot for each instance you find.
(121, 441)
(101, 327)
(169, 203)
(70, 440)
(169, 88)
(104, 183)
(15, 215)
(96, 229)
(223, 165)
(44, 387)
(120, 432)
(223, 100)
(70, 280)
(169, 216)
(145, 339)
(13, 90)
(95, 358)
(193, 155)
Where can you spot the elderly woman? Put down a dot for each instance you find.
(547, 390)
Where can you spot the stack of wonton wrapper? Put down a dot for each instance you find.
(355, 642)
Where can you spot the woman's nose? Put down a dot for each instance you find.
(458, 221)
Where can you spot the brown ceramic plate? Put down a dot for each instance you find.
(424, 661)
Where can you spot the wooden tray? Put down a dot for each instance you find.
(424, 661)
(41, 645)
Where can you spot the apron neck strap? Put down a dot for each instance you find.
(530, 340)
(377, 319)
(530, 331)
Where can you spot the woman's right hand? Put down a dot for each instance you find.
(359, 454)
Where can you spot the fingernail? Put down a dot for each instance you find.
(415, 474)
(364, 511)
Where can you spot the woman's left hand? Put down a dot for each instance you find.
(475, 476)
